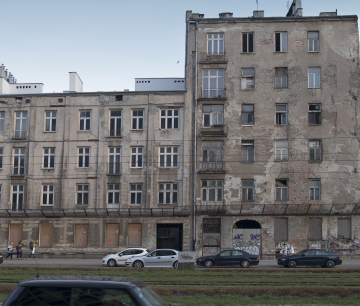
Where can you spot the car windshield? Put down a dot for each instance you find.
(149, 296)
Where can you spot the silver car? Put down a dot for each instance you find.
(158, 258)
(119, 259)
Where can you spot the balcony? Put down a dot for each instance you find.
(206, 58)
(213, 93)
(213, 166)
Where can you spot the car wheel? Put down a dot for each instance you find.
(111, 263)
(176, 265)
(208, 263)
(245, 264)
(330, 264)
(138, 264)
(292, 264)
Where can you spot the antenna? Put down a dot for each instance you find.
(288, 4)
(257, 5)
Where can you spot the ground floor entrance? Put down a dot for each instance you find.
(169, 236)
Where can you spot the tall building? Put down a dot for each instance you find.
(275, 103)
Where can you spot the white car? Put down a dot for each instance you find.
(119, 259)
(158, 258)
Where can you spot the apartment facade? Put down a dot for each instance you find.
(275, 103)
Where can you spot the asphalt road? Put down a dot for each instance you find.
(97, 263)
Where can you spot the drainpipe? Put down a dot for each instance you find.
(62, 155)
(97, 155)
(146, 150)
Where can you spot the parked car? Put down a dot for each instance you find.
(229, 258)
(1, 259)
(158, 258)
(83, 290)
(313, 257)
(119, 259)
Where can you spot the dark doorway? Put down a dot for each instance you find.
(169, 236)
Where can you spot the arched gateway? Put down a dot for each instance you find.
(247, 236)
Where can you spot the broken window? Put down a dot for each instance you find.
(247, 114)
(281, 77)
(281, 150)
(314, 114)
(247, 78)
(281, 114)
(314, 75)
(281, 41)
(247, 151)
(248, 42)
(281, 190)
(315, 150)
(213, 155)
(213, 115)
(216, 43)
(314, 189)
(313, 41)
(248, 190)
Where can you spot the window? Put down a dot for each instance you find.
(213, 83)
(137, 157)
(313, 41)
(115, 123)
(83, 157)
(315, 228)
(212, 191)
(114, 160)
(17, 197)
(1, 157)
(135, 193)
(247, 114)
(50, 121)
(47, 195)
(281, 77)
(248, 190)
(20, 124)
(211, 226)
(19, 161)
(168, 157)
(281, 150)
(169, 118)
(137, 119)
(213, 155)
(248, 42)
(213, 115)
(85, 120)
(314, 189)
(314, 77)
(82, 193)
(247, 78)
(2, 122)
(281, 229)
(113, 195)
(315, 150)
(216, 43)
(168, 193)
(281, 190)
(118, 97)
(49, 158)
(281, 111)
(281, 42)
(247, 151)
(314, 114)
(344, 227)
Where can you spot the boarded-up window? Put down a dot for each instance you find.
(46, 236)
(15, 234)
(81, 235)
(134, 235)
(315, 228)
(281, 229)
(344, 228)
(112, 235)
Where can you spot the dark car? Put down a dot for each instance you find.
(229, 258)
(83, 290)
(1, 259)
(314, 257)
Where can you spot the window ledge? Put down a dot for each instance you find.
(137, 130)
(247, 125)
(114, 174)
(114, 137)
(211, 172)
(18, 175)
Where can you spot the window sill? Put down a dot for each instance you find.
(49, 131)
(281, 160)
(115, 137)
(248, 125)
(281, 124)
(47, 205)
(314, 124)
(48, 169)
(168, 129)
(281, 87)
(247, 52)
(315, 161)
(314, 87)
(137, 130)
(116, 174)
(136, 167)
(18, 175)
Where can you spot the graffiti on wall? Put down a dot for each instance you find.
(247, 240)
(211, 245)
(342, 243)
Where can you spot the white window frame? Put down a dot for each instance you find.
(246, 45)
(1, 157)
(114, 161)
(281, 190)
(168, 157)
(213, 115)
(136, 194)
(83, 157)
(215, 43)
(247, 115)
(137, 120)
(169, 119)
(315, 150)
(247, 190)
(281, 114)
(2, 122)
(281, 41)
(115, 123)
(247, 151)
(113, 195)
(314, 77)
(0, 193)
(47, 195)
(168, 193)
(19, 156)
(248, 78)
(313, 42)
(315, 114)
(17, 197)
(50, 121)
(212, 191)
(82, 194)
(20, 124)
(213, 83)
(314, 190)
(137, 157)
(84, 120)
(281, 77)
(49, 158)
(282, 150)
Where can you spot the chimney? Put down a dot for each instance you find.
(75, 83)
(258, 14)
(226, 15)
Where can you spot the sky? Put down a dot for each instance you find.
(109, 43)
